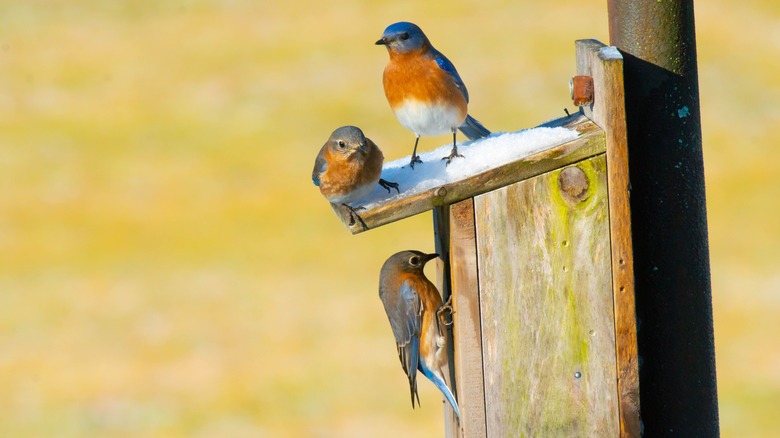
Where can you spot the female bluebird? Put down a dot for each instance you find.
(348, 167)
(424, 89)
(412, 304)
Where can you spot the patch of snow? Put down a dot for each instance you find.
(611, 52)
(478, 156)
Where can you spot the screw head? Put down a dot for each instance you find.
(582, 90)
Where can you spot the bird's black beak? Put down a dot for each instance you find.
(428, 257)
(382, 42)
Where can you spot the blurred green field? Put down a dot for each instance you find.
(167, 268)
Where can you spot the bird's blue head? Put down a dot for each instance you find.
(403, 37)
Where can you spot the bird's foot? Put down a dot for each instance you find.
(353, 214)
(387, 185)
(445, 308)
(415, 159)
(452, 155)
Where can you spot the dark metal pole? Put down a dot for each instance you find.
(677, 382)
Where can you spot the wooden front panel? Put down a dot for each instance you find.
(548, 337)
(467, 327)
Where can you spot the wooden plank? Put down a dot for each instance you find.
(441, 235)
(467, 332)
(605, 66)
(590, 143)
(548, 333)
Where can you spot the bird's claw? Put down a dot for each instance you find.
(446, 307)
(353, 214)
(452, 155)
(387, 185)
(415, 159)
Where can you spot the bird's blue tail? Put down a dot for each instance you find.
(472, 129)
(437, 380)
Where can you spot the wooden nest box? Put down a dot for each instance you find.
(537, 256)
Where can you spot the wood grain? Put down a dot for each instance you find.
(546, 307)
(605, 65)
(590, 143)
(467, 332)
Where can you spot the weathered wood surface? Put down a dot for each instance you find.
(467, 331)
(545, 283)
(605, 66)
(590, 143)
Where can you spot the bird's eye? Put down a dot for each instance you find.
(414, 261)
(342, 145)
(404, 36)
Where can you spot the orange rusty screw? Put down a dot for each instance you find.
(581, 88)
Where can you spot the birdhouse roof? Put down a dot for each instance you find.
(487, 164)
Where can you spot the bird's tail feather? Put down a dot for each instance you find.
(438, 380)
(412, 371)
(472, 129)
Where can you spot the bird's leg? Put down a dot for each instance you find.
(387, 185)
(454, 152)
(353, 214)
(415, 157)
(446, 307)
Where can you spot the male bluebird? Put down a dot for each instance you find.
(424, 89)
(347, 168)
(412, 304)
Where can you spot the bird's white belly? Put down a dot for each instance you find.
(429, 119)
(355, 195)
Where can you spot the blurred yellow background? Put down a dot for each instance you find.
(168, 269)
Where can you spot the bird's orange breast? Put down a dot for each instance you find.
(431, 302)
(346, 174)
(413, 76)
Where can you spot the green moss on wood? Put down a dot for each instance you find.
(545, 284)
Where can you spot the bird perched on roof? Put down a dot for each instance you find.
(413, 304)
(424, 90)
(348, 167)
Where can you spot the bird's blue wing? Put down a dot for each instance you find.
(412, 308)
(447, 66)
(319, 166)
(404, 310)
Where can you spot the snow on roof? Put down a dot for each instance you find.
(478, 156)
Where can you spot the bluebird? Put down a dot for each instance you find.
(348, 167)
(413, 306)
(424, 90)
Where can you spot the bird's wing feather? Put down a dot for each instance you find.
(319, 166)
(448, 67)
(404, 310)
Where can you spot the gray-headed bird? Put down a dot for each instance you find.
(413, 304)
(348, 167)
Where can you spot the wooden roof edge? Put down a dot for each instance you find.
(589, 143)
